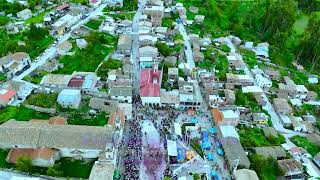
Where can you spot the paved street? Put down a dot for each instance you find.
(187, 46)
(51, 51)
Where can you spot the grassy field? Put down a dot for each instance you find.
(88, 59)
(43, 100)
(21, 113)
(303, 142)
(35, 79)
(75, 168)
(98, 120)
(254, 137)
(94, 24)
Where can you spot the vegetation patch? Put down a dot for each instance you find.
(21, 113)
(254, 137)
(43, 100)
(94, 24)
(267, 169)
(107, 66)
(88, 59)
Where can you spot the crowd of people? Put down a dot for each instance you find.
(133, 154)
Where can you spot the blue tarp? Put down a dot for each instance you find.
(212, 130)
(180, 154)
(205, 136)
(220, 152)
(194, 120)
(218, 144)
(210, 156)
(206, 145)
(214, 175)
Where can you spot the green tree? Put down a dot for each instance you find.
(24, 164)
(167, 178)
(196, 176)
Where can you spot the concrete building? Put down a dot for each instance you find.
(69, 98)
(15, 64)
(24, 14)
(290, 167)
(225, 117)
(235, 61)
(245, 174)
(189, 96)
(148, 51)
(146, 62)
(156, 12)
(237, 80)
(263, 82)
(233, 152)
(63, 48)
(282, 106)
(65, 22)
(124, 44)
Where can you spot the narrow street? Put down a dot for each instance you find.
(188, 49)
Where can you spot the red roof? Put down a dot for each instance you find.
(63, 7)
(93, 1)
(295, 150)
(150, 83)
(6, 94)
(76, 81)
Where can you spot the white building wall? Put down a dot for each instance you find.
(86, 153)
(150, 100)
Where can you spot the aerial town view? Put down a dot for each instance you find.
(159, 89)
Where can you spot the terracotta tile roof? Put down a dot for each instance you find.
(6, 94)
(76, 81)
(149, 88)
(43, 153)
(63, 6)
(114, 115)
(217, 115)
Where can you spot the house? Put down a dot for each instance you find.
(69, 98)
(148, 51)
(64, 47)
(237, 80)
(297, 66)
(234, 151)
(161, 31)
(124, 44)
(6, 96)
(94, 3)
(156, 12)
(290, 167)
(262, 51)
(285, 120)
(235, 61)
(230, 96)
(225, 117)
(72, 141)
(311, 96)
(300, 125)
(56, 80)
(301, 92)
(276, 152)
(313, 79)
(81, 43)
(227, 131)
(150, 85)
(173, 74)
(146, 62)
(216, 100)
(314, 138)
(65, 23)
(169, 99)
(260, 118)
(115, 3)
(189, 97)
(63, 7)
(281, 106)
(199, 19)
(102, 105)
(147, 40)
(121, 93)
(15, 64)
(309, 118)
(263, 82)
(272, 74)
(270, 132)
(24, 14)
(316, 159)
(245, 174)
(41, 157)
